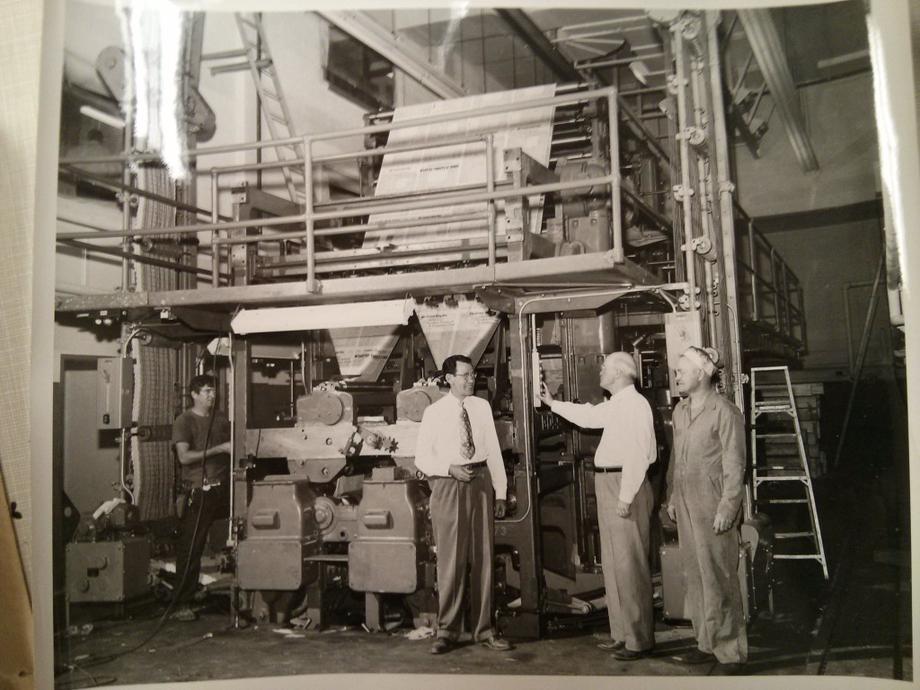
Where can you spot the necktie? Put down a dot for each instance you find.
(467, 447)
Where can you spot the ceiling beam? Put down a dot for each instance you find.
(398, 50)
(764, 41)
(536, 40)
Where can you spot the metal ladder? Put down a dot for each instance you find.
(770, 423)
(274, 106)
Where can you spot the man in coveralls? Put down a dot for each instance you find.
(704, 496)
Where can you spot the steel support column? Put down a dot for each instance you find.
(764, 39)
(536, 40)
(721, 178)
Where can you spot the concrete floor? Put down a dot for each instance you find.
(793, 642)
(858, 624)
(206, 649)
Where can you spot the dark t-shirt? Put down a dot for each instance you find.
(192, 429)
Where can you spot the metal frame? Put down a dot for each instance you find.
(378, 39)
(766, 47)
(772, 298)
(520, 289)
(314, 212)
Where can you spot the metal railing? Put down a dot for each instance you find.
(770, 293)
(314, 211)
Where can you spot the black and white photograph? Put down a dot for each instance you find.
(552, 341)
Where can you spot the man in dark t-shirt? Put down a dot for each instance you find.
(201, 436)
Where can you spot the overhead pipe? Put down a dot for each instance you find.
(613, 136)
(685, 186)
(134, 256)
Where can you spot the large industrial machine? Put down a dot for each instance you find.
(535, 231)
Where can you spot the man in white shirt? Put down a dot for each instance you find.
(458, 449)
(624, 501)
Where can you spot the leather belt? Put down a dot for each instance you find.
(476, 465)
(607, 469)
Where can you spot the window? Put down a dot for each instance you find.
(358, 73)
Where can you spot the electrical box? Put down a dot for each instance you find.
(681, 330)
(110, 571)
(114, 392)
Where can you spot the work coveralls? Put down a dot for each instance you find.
(707, 476)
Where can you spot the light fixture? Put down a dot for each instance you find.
(102, 117)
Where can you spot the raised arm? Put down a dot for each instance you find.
(585, 415)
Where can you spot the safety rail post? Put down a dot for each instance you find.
(308, 212)
(490, 187)
(752, 250)
(776, 316)
(787, 321)
(126, 199)
(615, 200)
(215, 234)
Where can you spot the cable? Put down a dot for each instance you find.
(204, 459)
(95, 682)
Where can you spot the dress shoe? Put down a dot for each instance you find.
(497, 644)
(611, 645)
(441, 645)
(695, 656)
(729, 669)
(625, 654)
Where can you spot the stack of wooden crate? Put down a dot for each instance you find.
(808, 405)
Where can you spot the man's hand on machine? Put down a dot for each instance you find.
(545, 396)
(460, 473)
(501, 508)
